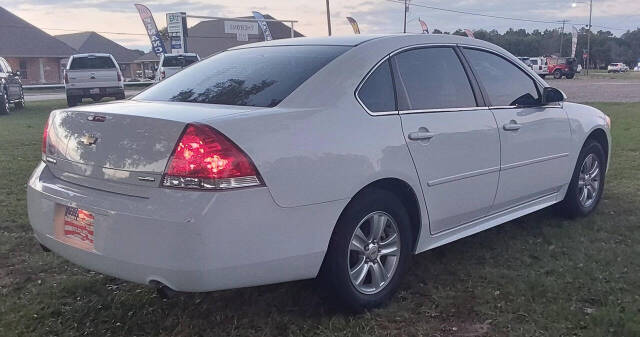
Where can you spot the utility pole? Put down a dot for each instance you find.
(406, 8)
(328, 18)
(589, 36)
(562, 36)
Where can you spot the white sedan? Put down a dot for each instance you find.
(335, 157)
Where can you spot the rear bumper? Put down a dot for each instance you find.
(86, 92)
(188, 240)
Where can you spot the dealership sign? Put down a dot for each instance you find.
(177, 29)
(241, 29)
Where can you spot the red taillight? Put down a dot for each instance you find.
(204, 158)
(163, 75)
(45, 133)
(66, 78)
(119, 77)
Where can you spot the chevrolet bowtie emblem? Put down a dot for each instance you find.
(88, 140)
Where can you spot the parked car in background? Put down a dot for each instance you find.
(92, 76)
(617, 68)
(170, 64)
(562, 66)
(10, 88)
(338, 157)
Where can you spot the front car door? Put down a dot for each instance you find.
(535, 139)
(12, 80)
(451, 136)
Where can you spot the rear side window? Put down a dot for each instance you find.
(376, 93)
(432, 78)
(92, 62)
(260, 77)
(178, 61)
(506, 84)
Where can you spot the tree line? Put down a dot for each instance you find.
(605, 47)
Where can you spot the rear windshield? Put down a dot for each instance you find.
(260, 77)
(92, 62)
(178, 61)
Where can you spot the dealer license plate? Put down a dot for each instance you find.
(94, 91)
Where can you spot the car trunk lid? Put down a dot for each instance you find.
(123, 146)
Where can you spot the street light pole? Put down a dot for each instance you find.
(405, 17)
(328, 19)
(562, 36)
(589, 36)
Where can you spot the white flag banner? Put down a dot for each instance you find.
(574, 41)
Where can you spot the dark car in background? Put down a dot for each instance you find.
(10, 88)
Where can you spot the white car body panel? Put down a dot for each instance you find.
(315, 151)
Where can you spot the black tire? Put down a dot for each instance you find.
(557, 74)
(120, 96)
(335, 272)
(73, 101)
(572, 206)
(4, 103)
(570, 76)
(543, 76)
(96, 98)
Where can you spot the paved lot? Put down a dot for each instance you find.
(599, 90)
(43, 96)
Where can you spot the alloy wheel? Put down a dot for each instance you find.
(374, 252)
(589, 181)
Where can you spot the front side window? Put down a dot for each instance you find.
(261, 77)
(92, 62)
(376, 93)
(432, 78)
(506, 84)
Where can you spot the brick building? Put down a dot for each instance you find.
(38, 56)
(92, 42)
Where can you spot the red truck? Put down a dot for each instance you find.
(562, 66)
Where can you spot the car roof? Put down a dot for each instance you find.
(90, 54)
(180, 54)
(358, 39)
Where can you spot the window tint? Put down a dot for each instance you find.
(250, 77)
(432, 78)
(178, 61)
(92, 62)
(534, 62)
(377, 91)
(506, 84)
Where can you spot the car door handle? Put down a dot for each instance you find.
(511, 126)
(421, 135)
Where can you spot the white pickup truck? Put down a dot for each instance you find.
(92, 76)
(170, 64)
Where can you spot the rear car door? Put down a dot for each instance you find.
(452, 137)
(534, 138)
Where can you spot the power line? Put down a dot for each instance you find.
(500, 17)
(474, 13)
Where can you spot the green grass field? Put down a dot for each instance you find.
(540, 275)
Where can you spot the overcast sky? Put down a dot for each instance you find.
(374, 16)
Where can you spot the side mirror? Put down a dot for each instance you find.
(552, 95)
